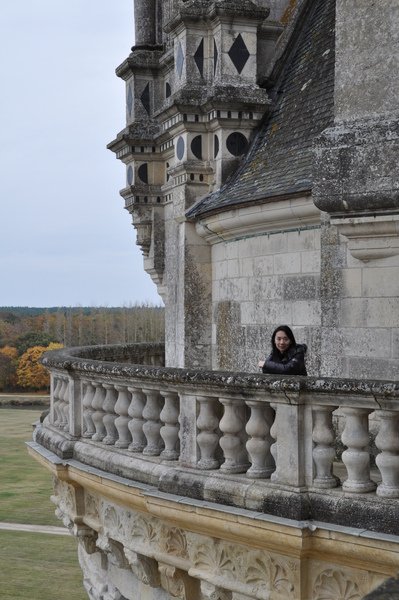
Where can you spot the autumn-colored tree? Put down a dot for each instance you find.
(9, 351)
(30, 373)
(8, 368)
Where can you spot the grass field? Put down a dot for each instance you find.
(25, 486)
(35, 566)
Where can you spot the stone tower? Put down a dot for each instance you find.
(261, 147)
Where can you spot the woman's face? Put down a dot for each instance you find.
(282, 341)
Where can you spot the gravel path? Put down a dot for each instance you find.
(34, 528)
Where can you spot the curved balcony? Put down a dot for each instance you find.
(246, 440)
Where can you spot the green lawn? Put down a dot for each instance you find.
(35, 566)
(25, 486)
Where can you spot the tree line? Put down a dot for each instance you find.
(25, 333)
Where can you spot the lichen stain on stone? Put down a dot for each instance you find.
(197, 316)
(286, 16)
(227, 322)
(274, 128)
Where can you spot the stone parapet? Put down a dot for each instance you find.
(247, 440)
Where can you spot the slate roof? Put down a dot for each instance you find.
(279, 163)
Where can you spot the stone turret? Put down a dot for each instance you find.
(192, 106)
(224, 483)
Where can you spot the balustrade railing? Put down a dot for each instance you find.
(270, 428)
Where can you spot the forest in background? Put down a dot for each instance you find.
(25, 333)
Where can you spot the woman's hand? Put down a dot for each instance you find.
(261, 363)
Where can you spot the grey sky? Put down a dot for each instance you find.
(65, 238)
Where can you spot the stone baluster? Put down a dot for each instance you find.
(258, 444)
(207, 438)
(57, 402)
(152, 424)
(122, 421)
(63, 406)
(136, 424)
(89, 429)
(232, 426)
(323, 451)
(273, 446)
(110, 416)
(60, 404)
(98, 414)
(170, 430)
(387, 441)
(356, 458)
(66, 405)
(290, 448)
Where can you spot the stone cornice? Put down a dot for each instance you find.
(140, 60)
(195, 10)
(263, 218)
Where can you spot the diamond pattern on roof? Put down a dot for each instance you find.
(239, 53)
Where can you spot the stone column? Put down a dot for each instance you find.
(145, 22)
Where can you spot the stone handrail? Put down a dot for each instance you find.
(276, 431)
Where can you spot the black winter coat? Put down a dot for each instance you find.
(290, 362)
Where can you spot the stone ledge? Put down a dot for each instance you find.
(330, 506)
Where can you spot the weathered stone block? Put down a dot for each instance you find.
(306, 312)
(310, 261)
(303, 287)
(287, 263)
(351, 283)
(379, 282)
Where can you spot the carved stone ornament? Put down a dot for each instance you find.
(214, 558)
(91, 506)
(177, 583)
(333, 584)
(213, 592)
(256, 574)
(268, 576)
(64, 497)
(143, 238)
(174, 543)
(144, 568)
(87, 537)
(146, 530)
(65, 518)
(113, 549)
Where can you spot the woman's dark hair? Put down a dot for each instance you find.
(288, 333)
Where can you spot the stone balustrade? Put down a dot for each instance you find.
(262, 436)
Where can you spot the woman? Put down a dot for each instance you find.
(287, 357)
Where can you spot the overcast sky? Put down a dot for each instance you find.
(65, 237)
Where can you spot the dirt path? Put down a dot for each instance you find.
(34, 528)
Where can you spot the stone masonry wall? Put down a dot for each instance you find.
(360, 309)
(259, 283)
